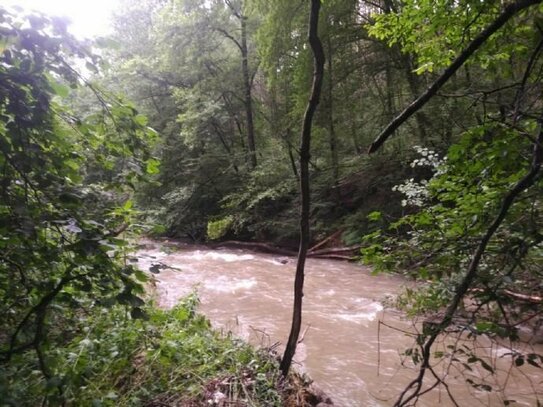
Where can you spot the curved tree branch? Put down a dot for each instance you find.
(412, 391)
(230, 37)
(510, 11)
(39, 310)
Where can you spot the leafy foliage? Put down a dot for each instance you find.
(218, 228)
(474, 230)
(436, 31)
(71, 176)
(65, 183)
(458, 204)
(189, 84)
(172, 356)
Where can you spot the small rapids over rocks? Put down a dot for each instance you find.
(350, 345)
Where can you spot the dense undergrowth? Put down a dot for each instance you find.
(172, 357)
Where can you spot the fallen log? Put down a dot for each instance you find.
(333, 236)
(338, 253)
(534, 299)
(333, 257)
(337, 250)
(258, 246)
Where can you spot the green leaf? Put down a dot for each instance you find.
(141, 276)
(138, 313)
(127, 298)
(158, 229)
(141, 119)
(375, 216)
(485, 327)
(153, 166)
(61, 90)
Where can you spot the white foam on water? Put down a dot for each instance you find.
(275, 262)
(359, 316)
(224, 284)
(227, 257)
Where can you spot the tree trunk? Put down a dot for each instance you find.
(423, 123)
(318, 54)
(278, 127)
(248, 98)
(291, 158)
(332, 139)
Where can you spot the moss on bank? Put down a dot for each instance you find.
(170, 358)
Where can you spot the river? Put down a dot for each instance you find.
(352, 346)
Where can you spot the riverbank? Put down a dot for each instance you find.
(161, 358)
(231, 389)
(250, 294)
(329, 248)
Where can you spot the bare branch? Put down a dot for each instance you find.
(233, 9)
(230, 37)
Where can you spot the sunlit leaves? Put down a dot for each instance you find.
(436, 32)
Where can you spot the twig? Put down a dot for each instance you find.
(39, 310)
(303, 333)
(520, 91)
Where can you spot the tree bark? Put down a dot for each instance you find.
(247, 80)
(413, 81)
(248, 98)
(332, 139)
(318, 54)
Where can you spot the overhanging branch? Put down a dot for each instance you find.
(509, 11)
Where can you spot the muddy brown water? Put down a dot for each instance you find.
(354, 358)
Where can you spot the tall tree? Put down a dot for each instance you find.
(305, 155)
(238, 12)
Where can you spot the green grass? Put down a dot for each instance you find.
(171, 358)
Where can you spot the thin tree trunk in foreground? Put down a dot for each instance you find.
(318, 54)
